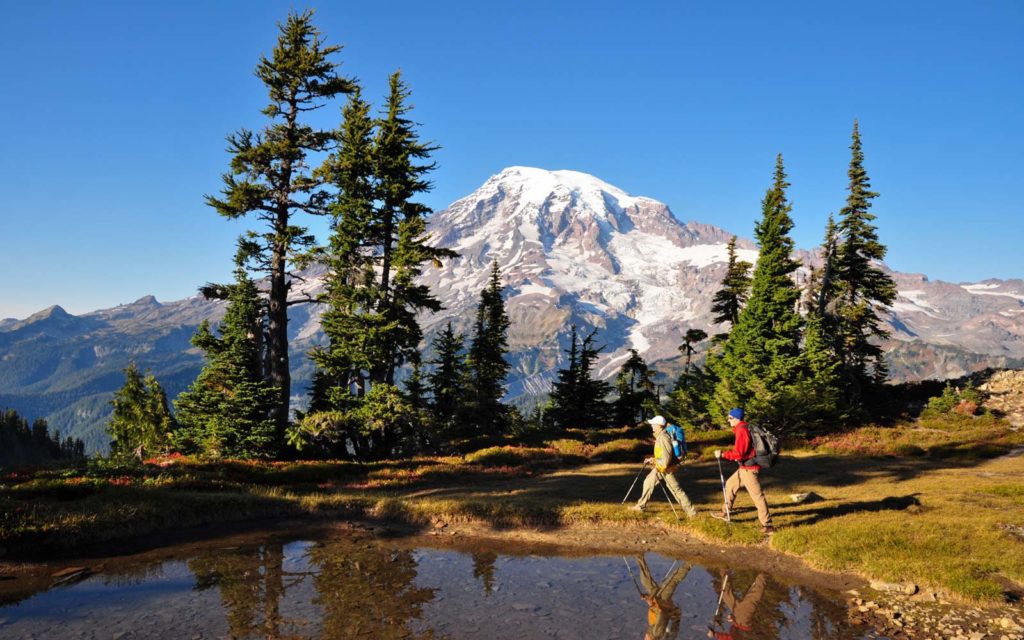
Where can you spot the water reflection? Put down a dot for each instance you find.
(351, 587)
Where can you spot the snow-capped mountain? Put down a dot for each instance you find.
(574, 249)
(571, 249)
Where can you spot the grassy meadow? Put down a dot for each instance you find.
(937, 502)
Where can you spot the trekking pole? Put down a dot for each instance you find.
(725, 499)
(634, 482)
(661, 481)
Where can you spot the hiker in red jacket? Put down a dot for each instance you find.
(741, 612)
(742, 453)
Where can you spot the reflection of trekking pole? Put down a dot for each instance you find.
(714, 620)
(661, 481)
(725, 499)
(634, 482)
(635, 583)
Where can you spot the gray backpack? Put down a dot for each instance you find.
(766, 446)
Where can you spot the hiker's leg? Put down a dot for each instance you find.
(743, 611)
(649, 483)
(753, 485)
(732, 487)
(677, 491)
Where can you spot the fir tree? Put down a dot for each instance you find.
(862, 288)
(760, 360)
(691, 338)
(227, 410)
(486, 358)
(635, 388)
(377, 250)
(577, 399)
(447, 381)
(141, 423)
(565, 390)
(271, 177)
(731, 297)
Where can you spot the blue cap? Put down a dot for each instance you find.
(736, 413)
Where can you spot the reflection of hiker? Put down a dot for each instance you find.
(747, 474)
(741, 614)
(662, 613)
(664, 464)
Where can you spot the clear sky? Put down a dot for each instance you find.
(114, 116)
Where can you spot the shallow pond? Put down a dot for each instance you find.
(353, 584)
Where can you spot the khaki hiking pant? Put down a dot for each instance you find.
(673, 485)
(748, 478)
(743, 610)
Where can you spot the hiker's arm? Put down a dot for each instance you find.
(742, 448)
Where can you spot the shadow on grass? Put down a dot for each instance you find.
(890, 503)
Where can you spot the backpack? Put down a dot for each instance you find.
(678, 438)
(766, 446)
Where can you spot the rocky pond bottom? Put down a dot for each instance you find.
(354, 584)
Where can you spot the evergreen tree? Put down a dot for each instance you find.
(635, 388)
(691, 338)
(141, 423)
(862, 289)
(487, 365)
(227, 410)
(271, 177)
(447, 381)
(577, 399)
(760, 367)
(565, 390)
(729, 300)
(377, 250)
(21, 445)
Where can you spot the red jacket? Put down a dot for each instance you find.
(743, 449)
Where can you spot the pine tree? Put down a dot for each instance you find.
(691, 338)
(729, 300)
(377, 250)
(487, 365)
(577, 399)
(271, 177)
(565, 390)
(862, 288)
(448, 380)
(635, 388)
(141, 423)
(759, 366)
(227, 410)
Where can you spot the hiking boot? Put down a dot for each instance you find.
(720, 516)
(768, 530)
(636, 507)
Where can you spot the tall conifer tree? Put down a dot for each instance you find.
(862, 289)
(271, 177)
(487, 365)
(447, 382)
(635, 388)
(228, 410)
(377, 250)
(731, 297)
(760, 360)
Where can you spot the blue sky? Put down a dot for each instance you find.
(114, 117)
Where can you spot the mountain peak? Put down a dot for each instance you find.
(536, 186)
(55, 312)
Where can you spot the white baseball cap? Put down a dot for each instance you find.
(657, 421)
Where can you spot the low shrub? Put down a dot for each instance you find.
(508, 456)
(621, 450)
